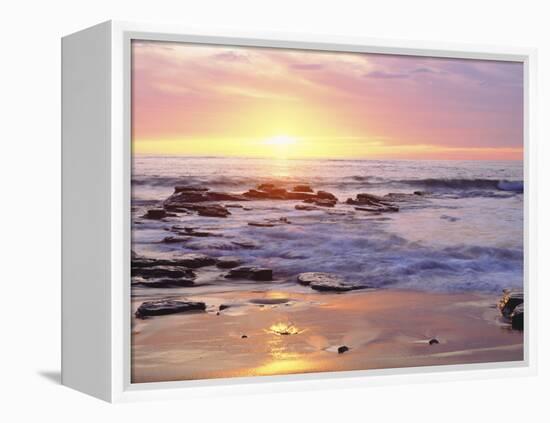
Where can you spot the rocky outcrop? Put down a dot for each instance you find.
(214, 210)
(372, 203)
(517, 317)
(321, 202)
(190, 260)
(157, 214)
(162, 282)
(250, 272)
(195, 260)
(511, 298)
(305, 207)
(302, 188)
(163, 271)
(321, 281)
(188, 188)
(269, 223)
(245, 244)
(228, 262)
(184, 195)
(300, 192)
(326, 196)
(192, 232)
(511, 306)
(261, 224)
(163, 307)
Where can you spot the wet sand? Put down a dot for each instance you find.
(281, 332)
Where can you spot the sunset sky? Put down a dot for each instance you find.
(254, 102)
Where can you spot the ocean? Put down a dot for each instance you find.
(465, 234)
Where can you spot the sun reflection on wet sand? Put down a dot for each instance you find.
(281, 359)
(282, 328)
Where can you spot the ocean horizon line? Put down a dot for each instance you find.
(142, 155)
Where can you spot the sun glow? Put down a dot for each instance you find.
(280, 140)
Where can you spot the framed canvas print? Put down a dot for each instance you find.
(240, 210)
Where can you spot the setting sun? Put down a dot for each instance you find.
(280, 140)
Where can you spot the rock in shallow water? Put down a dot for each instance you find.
(251, 272)
(163, 307)
(195, 260)
(321, 281)
(157, 214)
(162, 282)
(517, 317)
(372, 203)
(228, 262)
(214, 210)
(302, 188)
(192, 260)
(509, 301)
(343, 349)
(163, 272)
(305, 207)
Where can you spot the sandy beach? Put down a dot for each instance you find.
(381, 328)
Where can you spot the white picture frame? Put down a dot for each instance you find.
(96, 213)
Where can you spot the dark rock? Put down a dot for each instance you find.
(157, 214)
(433, 341)
(326, 196)
(244, 336)
(269, 301)
(321, 281)
(250, 272)
(163, 282)
(234, 206)
(245, 244)
(173, 239)
(305, 207)
(342, 349)
(257, 195)
(183, 197)
(228, 262)
(267, 194)
(302, 188)
(372, 203)
(192, 232)
(163, 307)
(261, 224)
(146, 262)
(511, 298)
(224, 196)
(267, 187)
(213, 210)
(192, 260)
(269, 223)
(421, 193)
(366, 198)
(163, 272)
(223, 307)
(186, 188)
(195, 260)
(325, 202)
(517, 317)
(381, 209)
(300, 196)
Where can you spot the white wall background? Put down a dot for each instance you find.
(30, 211)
